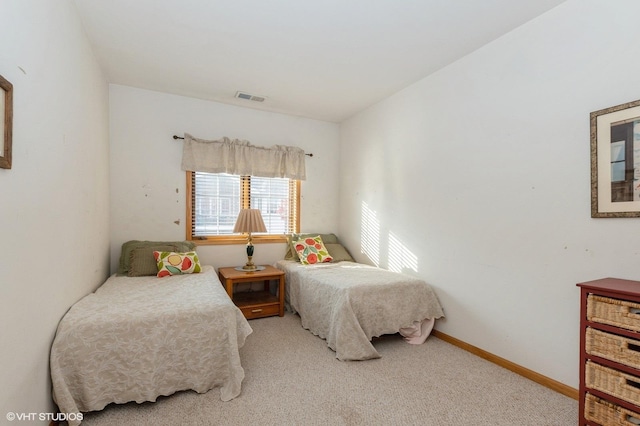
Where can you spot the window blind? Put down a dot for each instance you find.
(216, 200)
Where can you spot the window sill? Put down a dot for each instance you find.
(238, 239)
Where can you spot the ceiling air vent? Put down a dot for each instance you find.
(247, 96)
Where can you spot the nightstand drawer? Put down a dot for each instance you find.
(250, 312)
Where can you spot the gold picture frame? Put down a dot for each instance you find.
(6, 125)
(615, 161)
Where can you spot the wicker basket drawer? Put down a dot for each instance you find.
(612, 347)
(605, 413)
(613, 382)
(618, 313)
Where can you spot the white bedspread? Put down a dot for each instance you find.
(349, 303)
(135, 339)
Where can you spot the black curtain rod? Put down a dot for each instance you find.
(178, 137)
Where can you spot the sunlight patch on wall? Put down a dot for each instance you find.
(400, 257)
(370, 234)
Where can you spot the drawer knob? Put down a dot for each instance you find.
(256, 311)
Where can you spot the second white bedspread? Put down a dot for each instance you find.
(349, 303)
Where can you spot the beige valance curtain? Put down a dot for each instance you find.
(239, 157)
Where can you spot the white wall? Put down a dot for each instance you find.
(54, 223)
(148, 186)
(477, 178)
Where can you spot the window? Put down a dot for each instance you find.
(215, 199)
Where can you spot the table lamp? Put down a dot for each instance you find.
(249, 220)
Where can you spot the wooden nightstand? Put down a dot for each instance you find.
(255, 304)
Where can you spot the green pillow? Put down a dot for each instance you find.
(339, 253)
(142, 262)
(125, 255)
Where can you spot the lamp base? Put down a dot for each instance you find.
(250, 266)
(255, 268)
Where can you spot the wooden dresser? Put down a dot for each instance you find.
(610, 352)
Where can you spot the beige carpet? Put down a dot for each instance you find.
(293, 378)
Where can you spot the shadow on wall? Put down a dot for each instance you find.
(399, 257)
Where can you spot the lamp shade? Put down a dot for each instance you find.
(249, 220)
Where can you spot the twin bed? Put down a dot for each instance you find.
(349, 303)
(139, 337)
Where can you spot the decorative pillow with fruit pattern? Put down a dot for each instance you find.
(171, 263)
(312, 250)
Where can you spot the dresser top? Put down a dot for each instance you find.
(613, 285)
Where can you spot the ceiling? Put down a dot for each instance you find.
(324, 59)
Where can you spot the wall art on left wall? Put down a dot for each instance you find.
(6, 125)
